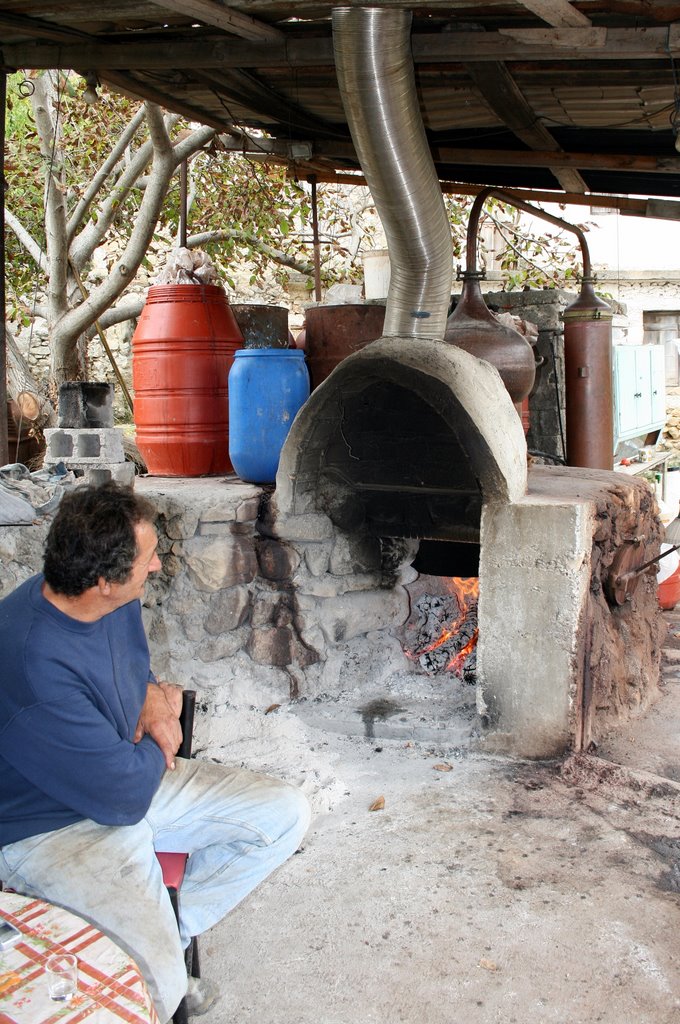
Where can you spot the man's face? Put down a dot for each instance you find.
(146, 561)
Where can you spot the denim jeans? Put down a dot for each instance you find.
(237, 826)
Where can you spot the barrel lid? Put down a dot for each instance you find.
(282, 353)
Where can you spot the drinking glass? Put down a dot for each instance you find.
(62, 976)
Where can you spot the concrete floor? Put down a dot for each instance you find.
(486, 890)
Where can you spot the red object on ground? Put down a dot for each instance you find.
(669, 591)
(182, 351)
(526, 415)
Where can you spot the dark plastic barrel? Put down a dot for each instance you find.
(267, 387)
(182, 351)
(262, 326)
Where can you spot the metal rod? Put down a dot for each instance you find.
(183, 192)
(315, 235)
(105, 345)
(646, 565)
(4, 440)
(512, 200)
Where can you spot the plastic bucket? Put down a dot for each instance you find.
(182, 351)
(262, 326)
(669, 591)
(267, 387)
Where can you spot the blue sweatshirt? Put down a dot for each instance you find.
(70, 698)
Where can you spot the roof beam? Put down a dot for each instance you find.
(523, 45)
(131, 86)
(243, 87)
(226, 18)
(39, 29)
(657, 209)
(556, 12)
(344, 151)
(525, 158)
(499, 89)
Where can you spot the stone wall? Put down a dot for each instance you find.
(546, 402)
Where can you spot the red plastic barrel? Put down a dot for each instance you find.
(182, 351)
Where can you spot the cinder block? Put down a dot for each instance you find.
(121, 472)
(83, 446)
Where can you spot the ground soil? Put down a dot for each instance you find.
(485, 890)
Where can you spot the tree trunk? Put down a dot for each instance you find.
(67, 359)
(20, 382)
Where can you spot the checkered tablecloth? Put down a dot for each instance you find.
(110, 986)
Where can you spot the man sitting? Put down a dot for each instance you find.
(90, 785)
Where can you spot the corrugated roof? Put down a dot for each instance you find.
(587, 77)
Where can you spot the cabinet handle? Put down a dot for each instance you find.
(638, 394)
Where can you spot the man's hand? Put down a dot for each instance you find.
(173, 694)
(160, 719)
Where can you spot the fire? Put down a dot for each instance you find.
(466, 592)
(466, 588)
(457, 662)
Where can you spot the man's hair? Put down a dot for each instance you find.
(92, 536)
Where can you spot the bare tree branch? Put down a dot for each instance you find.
(129, 308)
(94, 232)
(25, 238)
(206, 237)
(97, 183)
(55, 203)
(165, 160)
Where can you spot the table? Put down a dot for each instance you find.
(636, 468)
(110, 986)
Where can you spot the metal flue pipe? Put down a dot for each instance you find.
(377, 82)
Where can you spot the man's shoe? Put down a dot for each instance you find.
(201, 996)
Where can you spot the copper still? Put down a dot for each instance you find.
(587, 346)
(588, 379)
(474, 327)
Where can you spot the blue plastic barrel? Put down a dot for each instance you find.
(267, 386)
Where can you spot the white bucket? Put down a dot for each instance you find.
(667, 565)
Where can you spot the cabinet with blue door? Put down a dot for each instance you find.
(639, 390)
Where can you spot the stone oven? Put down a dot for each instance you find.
(557, 662)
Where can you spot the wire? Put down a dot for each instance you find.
(547, 455)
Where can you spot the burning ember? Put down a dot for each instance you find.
(446, 629)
